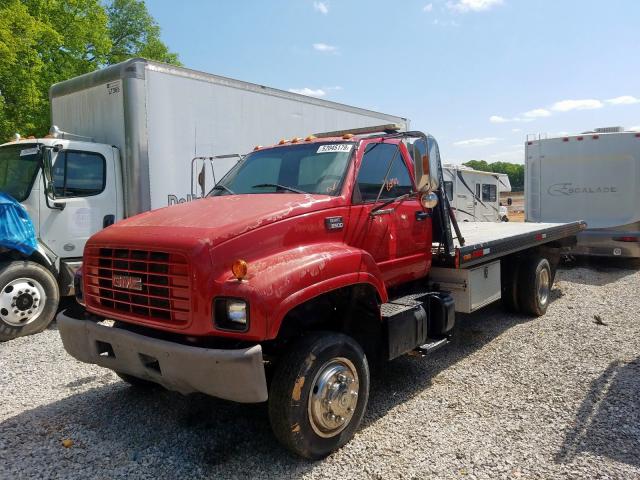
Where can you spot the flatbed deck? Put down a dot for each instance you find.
(485, 241)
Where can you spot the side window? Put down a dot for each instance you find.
(79, 174)
(373, 170)
(489, 193)
(448, 188)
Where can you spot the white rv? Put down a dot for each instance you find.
(139, 132)
(593, 176)
(475, 195)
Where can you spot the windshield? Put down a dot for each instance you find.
(18, 167)
(306, 168)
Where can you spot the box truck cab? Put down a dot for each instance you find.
(130, 138)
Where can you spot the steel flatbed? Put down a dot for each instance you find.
(486, 241)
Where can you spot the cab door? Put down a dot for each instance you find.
(396, 235)
(84, 200)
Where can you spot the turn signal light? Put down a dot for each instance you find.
(239, 269)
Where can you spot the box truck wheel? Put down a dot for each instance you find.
(534, 286)
(319, 393)
(29, 298)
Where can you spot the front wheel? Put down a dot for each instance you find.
(319, 393)
(29, 298)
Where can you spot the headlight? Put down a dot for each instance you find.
(231, 314)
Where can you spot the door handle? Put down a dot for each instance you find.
(108, 220)
(420, 215)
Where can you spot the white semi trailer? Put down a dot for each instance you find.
(138, 131)
(593, 176)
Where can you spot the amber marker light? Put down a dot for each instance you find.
(257, 147)
(309, 138)
(295, 140)
(282, 142)
(239, 269)
(347, 136)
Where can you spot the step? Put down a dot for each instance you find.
(432, 345)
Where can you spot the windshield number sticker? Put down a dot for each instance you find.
(29, 151)
(335, 147)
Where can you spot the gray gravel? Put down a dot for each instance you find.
(556, 397)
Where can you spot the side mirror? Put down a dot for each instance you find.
(49, 186)
(509, 201)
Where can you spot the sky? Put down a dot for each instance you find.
(479, 75)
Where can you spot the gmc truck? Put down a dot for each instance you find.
(308, 263)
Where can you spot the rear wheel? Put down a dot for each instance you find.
(29, 298)
(319, 393)
(534, 286)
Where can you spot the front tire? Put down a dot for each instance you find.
(534, 286)
(319, 393)
(29, 298)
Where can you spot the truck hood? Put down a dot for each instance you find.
(227, 216)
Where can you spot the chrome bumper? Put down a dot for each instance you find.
(236, 375)
(601, 243)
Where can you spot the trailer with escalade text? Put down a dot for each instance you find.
(308, 263)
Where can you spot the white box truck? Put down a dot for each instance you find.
(135, 130)
(593, 176)
(475, 195)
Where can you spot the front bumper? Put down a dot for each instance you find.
(236, 375)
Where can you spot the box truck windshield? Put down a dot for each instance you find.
(307, 168)
(18, 168)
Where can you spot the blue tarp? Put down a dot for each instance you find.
(16, 229)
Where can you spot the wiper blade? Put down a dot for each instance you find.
(389, 202)
(277, 185)
(223, 187)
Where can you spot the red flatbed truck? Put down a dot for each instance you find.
(310, 261)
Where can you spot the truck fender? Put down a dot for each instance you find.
(290, 279)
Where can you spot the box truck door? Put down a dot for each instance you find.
(83, 198)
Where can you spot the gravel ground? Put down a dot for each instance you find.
(556, 397)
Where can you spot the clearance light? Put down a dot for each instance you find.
(282, 141)
(257, 147)
(295, 140)
(309, 138)
(239, 269)
(347, 136)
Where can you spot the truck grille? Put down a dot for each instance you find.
(152, 286)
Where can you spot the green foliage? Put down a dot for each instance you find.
(134, 32)
(513, 170)
(46, 41)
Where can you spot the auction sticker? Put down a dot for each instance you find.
(29, 151)
(335, 147)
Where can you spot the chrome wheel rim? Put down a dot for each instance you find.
(543, 286)
(21, 301)
(334, 397)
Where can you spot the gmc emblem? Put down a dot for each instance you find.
(125, 281)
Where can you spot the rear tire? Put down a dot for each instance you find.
(534, 285)
(319, 393)
(29, 298)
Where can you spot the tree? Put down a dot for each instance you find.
(514, 171)
(46, 41)
(134, 32)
